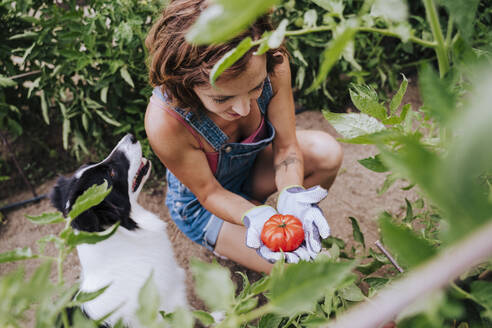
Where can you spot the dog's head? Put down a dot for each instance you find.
(124, 169)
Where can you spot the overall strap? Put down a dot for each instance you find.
(266, 96)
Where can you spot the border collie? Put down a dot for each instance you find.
(139, 247)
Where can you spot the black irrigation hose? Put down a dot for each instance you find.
(22, 202)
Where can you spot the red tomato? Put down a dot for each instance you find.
(282, 232)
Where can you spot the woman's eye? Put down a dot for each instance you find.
(221, 101)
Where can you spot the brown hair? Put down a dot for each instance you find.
(177, 66)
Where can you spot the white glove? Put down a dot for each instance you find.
(302, 203)
(254, 219)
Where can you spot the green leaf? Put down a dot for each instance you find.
(353, 125)
(246, 305)
(91, 197)
(358, 235)
(387, 183)
(182, 318)
(331, 55)
(263, 48)
(80, 320)
(104, 94)
(204, 317)
(83, 297)
(370, 267)
(310, 18)
(482, 293)
(398, 119)
(5, 82)
(260, 285)
(44, 107)
(463, 13)
(224, 19)
(333, 6)
(276, 38)
(396, 100)
(301, 285)
(439, 99)
(374, 164)
(366, 100)
(17, 254)
(409, 213)
(270, 320)
(375, 284)
(213, 284)
(352, 293)
(467, 203)
(126, 76)
(393, 11)
(246, 285)
(410, 249)
(107, 119)
(25, 35)
(28, 52)
(65, 132)
(75, 238)
(92, 104)
(229, 59)
(148, 302)
(46, 218)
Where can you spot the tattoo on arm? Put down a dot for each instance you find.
(291, 159)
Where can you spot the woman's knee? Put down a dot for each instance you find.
(323, 152)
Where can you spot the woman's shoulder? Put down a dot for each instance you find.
(164, 131)
(281, 76)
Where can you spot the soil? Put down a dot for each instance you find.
(354, 194)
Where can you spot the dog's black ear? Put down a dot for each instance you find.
(87, 221)
(59, 194)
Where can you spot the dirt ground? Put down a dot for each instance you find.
(354, 193)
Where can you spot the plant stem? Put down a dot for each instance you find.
(449, 31)
(256, 313)
(65, 319)
(441, 48)
(322, 28)
(387, 32)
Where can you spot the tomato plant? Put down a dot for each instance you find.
(282, 232)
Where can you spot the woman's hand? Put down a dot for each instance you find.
(302, 203)
(254, 220)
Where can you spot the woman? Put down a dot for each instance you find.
(227, 148)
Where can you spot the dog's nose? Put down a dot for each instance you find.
(132, 138)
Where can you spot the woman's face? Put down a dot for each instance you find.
(231, 99)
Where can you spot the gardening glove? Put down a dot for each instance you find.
(301, 253)
(254, 219)
(302, 203)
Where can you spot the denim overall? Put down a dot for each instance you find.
(233, 170)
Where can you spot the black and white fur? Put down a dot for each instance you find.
(139, 247)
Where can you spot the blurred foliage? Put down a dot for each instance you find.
(374, 59)
(75, 70)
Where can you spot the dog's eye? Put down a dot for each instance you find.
(112, 173)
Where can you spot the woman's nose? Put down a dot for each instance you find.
(242, 106)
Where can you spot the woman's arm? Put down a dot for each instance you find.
(288, 159)
(179, 151)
